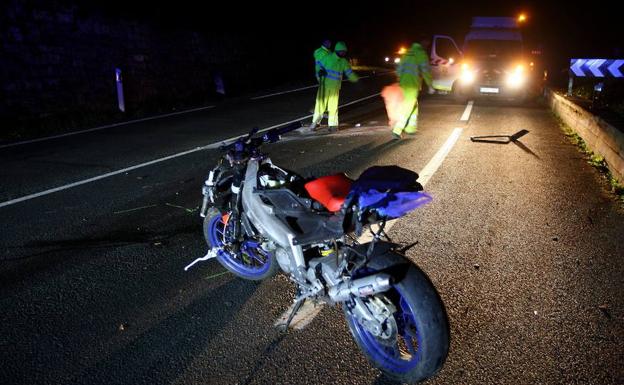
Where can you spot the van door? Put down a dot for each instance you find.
(444, 59)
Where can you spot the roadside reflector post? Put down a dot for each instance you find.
(570, 84)
(120, 96)
(596, 97)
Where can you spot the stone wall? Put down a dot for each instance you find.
(601, 137)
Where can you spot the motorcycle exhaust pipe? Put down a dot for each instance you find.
(361, 287)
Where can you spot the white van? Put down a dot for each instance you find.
(491, 62)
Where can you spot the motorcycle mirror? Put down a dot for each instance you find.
(253, 132)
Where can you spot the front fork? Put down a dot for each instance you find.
(236, 200)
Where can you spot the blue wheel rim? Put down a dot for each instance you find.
(259, 262)
(405, 355)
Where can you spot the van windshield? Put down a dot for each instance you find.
(493, 49)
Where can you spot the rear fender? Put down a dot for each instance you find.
(386, 259)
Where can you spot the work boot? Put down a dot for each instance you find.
(308, 128)
(396, 136)
(333, 128)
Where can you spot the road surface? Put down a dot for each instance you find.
(522, 240)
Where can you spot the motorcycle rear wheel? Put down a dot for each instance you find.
(422, 340)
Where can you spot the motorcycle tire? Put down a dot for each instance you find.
(421, 319)
(252, 263)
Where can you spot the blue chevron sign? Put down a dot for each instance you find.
(597, 68)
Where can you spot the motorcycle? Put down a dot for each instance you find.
(260, 218)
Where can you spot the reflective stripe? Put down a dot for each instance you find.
(410, 72)
(413, 65)
(349, 71)
(332, 71)
(319, 63)
(332, 77)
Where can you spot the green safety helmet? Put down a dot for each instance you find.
(340, 46)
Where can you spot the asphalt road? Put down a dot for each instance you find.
(522, 240)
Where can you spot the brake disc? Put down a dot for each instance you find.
(384, 326)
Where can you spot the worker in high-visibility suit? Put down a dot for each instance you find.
(335, 65)
(319, 72)
(412, 70)
(319, 54)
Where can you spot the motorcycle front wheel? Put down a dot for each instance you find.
(421, 343)
(251, 261)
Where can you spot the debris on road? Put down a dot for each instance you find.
(216, 275)
(504, 139)
(134, 209)
(183, 208)
(604, 308)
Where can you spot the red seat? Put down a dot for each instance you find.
(330, 190)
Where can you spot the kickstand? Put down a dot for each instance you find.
(284, 327)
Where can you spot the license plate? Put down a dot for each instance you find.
(488, 90)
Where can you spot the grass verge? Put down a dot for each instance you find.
(593, 159)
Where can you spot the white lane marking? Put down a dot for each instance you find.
(467, 111)
(284, 92)
(425, 174)
(104, 127)
(308, 87)
(359, 100)
(430, 168)
(113, 173)
(305, 315)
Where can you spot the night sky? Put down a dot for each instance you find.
(562, 24)
(374, 28)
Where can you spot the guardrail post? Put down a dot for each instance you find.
(120, 95)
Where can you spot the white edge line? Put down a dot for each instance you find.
(95, 178)
(467, 111)
(104, 127)
(306, 315)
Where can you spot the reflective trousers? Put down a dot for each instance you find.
(408, 112)
(326, 100)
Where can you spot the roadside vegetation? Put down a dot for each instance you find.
(595, 160)
(610, 100)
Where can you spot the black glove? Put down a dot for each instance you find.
(322, 73)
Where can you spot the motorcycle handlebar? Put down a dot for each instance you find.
(271, 136)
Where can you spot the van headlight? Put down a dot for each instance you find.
(516, 77)
(467, 75)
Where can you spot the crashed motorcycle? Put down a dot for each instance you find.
(260, 218)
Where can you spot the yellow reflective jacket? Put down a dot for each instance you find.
(414, 67)
(336, 67)
(319, 54)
